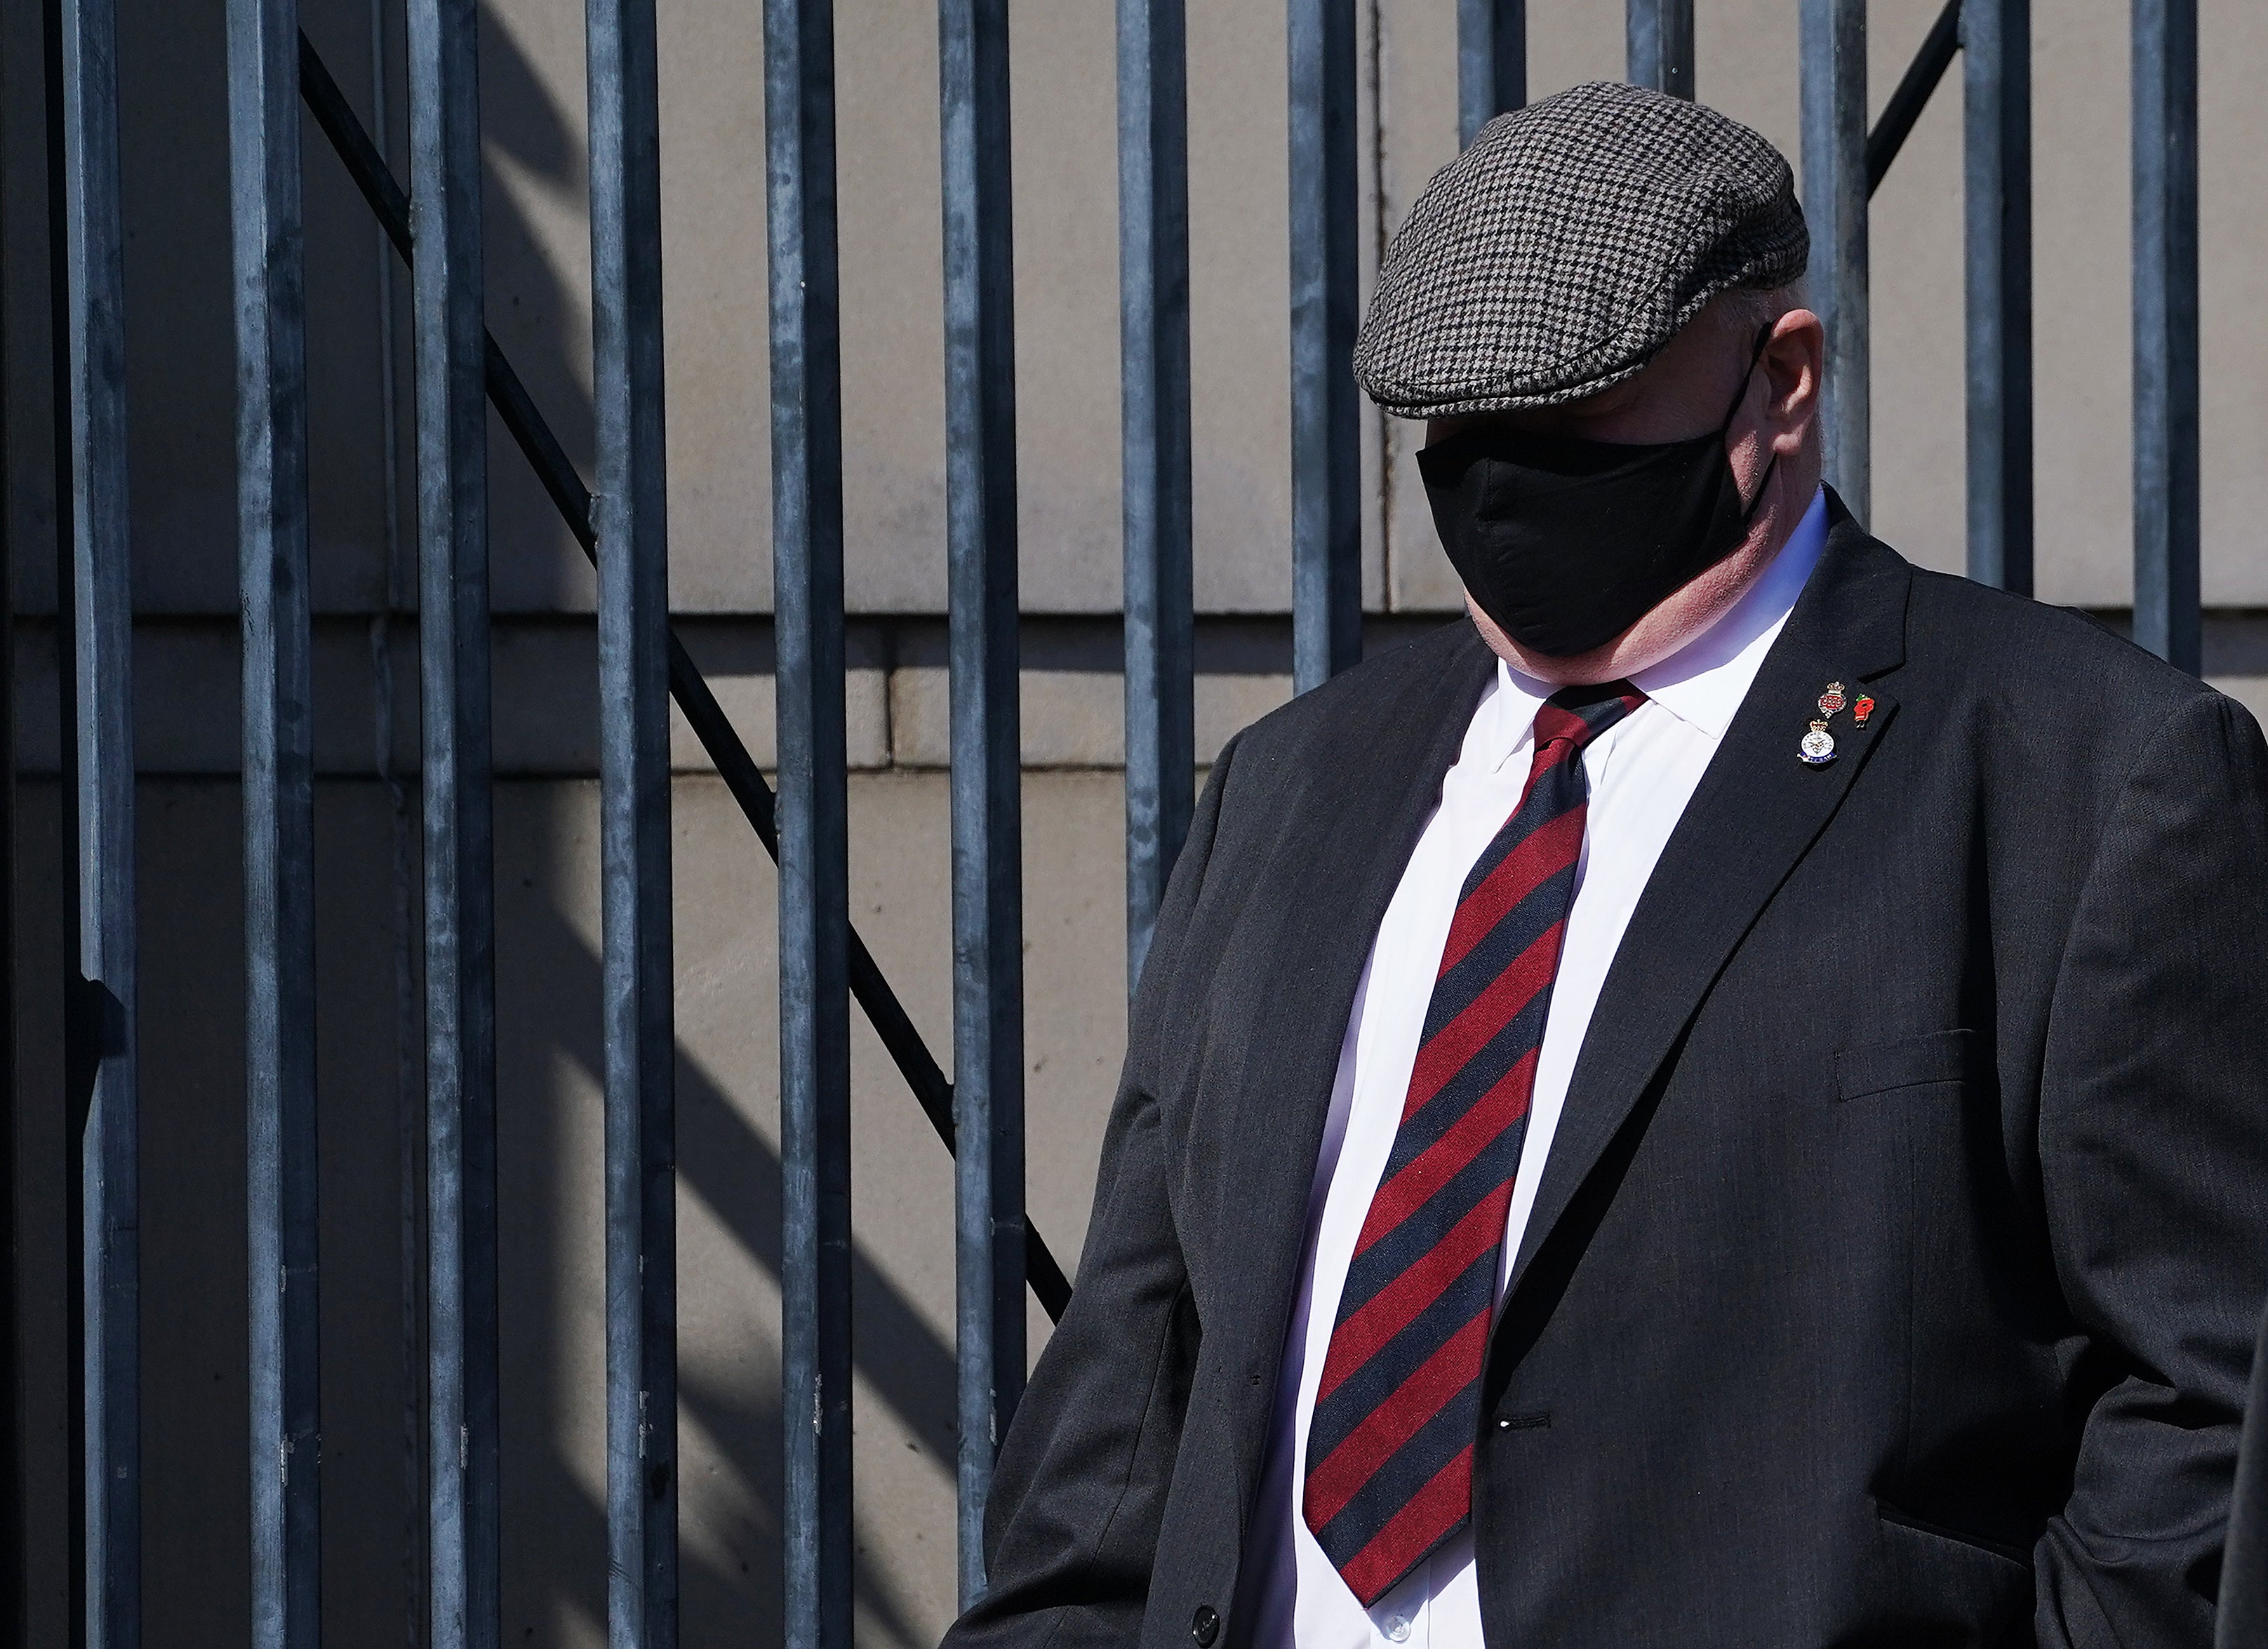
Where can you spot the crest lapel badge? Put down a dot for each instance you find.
(1817, 749)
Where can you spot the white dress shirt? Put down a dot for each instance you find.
(1642, 773)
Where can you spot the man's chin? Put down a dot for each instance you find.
(1608, 662)
(1676, 621)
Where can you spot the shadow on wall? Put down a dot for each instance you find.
(550, 1059)
(538, 306)
(554, 1368)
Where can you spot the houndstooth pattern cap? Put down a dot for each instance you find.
(1570, 242)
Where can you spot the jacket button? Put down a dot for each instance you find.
(1204, 1626)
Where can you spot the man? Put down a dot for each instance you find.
(1720, 1103)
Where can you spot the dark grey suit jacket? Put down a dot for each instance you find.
(1895, 1271)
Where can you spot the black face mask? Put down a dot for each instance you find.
(1567, 543)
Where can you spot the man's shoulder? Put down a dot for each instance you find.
(1401, 692)
(2035, 659)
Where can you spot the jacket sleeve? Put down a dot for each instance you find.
(2154, 1160)
(1071, 1530)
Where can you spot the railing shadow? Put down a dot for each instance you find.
(546, 964)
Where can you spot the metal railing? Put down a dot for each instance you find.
(621, 525)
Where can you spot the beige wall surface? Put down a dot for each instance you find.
(1066, 294)
(1066, 290)
(180, 388)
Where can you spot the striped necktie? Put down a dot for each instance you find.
(1390, 1445)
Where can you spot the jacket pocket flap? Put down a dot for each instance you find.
(1908, 1062)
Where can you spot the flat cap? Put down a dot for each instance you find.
(1570, 242)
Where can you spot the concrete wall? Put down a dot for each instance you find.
(547, 879)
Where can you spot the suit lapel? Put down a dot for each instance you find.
(1756, 813)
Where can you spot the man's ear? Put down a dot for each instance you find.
(1795, 361)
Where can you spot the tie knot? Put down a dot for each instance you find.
(1574, 716)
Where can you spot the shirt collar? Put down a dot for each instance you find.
(1703, 682)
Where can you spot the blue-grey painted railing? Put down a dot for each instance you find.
(2166, 501)
(816, 1150)
(14, 1568)
(1153, 330)
(823, 963)
(1993, 37)
(1659, 36)
(96, 615)
(77, 1049)
(1997, 186)
(1326, 407)
(988, 880)
(1834, 94)
(279, 824)
(1492, 62)
(453, 593)
(628, 516)
(814, 919)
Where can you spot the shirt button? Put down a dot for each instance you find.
(1204, 1626)
(1397, 1628)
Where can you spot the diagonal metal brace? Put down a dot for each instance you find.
(1906, 103)
(710, 723)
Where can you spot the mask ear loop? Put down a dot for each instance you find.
(1763, 338)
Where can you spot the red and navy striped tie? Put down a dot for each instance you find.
(1390, 1445)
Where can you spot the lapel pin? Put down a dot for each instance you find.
(1863, 709)
(1818, 746)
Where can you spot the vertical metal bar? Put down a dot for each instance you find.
(987, 907)
(1997, 183)
(629, 513)
(1326, 428)
(409, 1124)
(453, 584)
(1834, 51)
(1492, 63)
(1660, 35)
(1153, 330)
(814, 919)
(2167, 619)
(279, 821)
(77, 1061)
(13, 1489)
(101, 1008)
